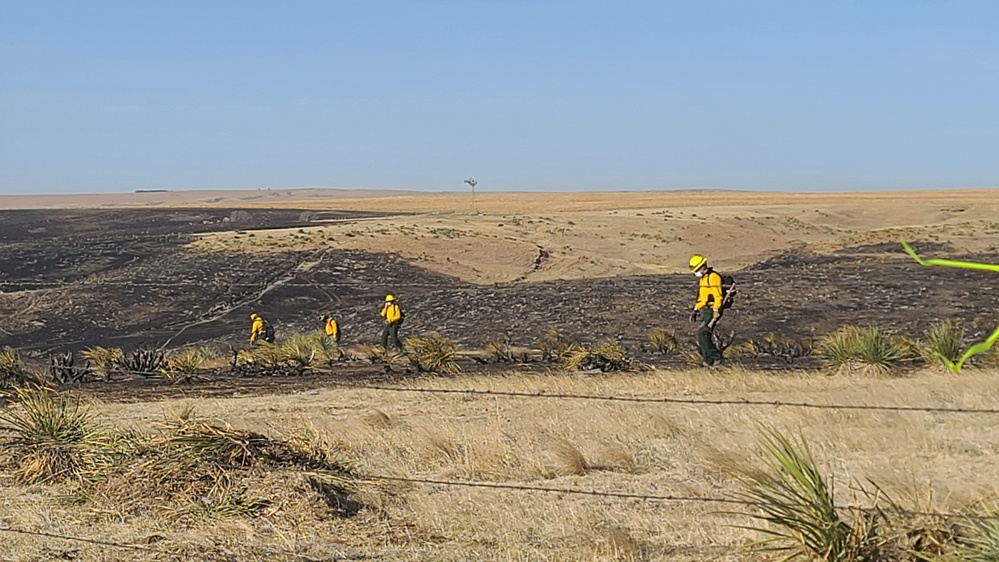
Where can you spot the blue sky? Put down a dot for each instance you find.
(104, 96)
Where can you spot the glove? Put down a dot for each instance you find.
(693, 315)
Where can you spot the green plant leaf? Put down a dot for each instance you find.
(980, 347)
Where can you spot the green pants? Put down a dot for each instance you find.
(705, 338)
(391, 332)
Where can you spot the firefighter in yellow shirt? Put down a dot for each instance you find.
(393, 317)
(332, 329)
(260, 330)
(708, 307)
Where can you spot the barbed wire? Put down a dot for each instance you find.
(98, 542)
(667, 498)
(596, 397)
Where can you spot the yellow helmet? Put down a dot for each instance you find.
(389, 298)
(254, 316)
(697, 262)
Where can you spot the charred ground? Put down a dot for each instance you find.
(127, 278)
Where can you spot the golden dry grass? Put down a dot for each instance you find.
(925, 460)
(604, 235)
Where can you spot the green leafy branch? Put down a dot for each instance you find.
(978, 347)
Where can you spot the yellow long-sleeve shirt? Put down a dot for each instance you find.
(333, 329)
(709, 291)
(256, 329)
(391, 313)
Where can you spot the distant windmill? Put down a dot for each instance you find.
(471, 182)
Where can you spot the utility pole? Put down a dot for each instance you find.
(471, 182)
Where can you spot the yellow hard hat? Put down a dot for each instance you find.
(389, 298)
(254, 316)
(697, 262)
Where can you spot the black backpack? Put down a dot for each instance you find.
(268, 332)
(728, 291)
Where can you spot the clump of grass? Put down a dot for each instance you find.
(608, 355)
(433, 353)
(797, 504)
(301, 351)
(499, 349)
(327, 349)
(566, 459)
(103, 361)
(184, 364)
(869, 350)
(555, 346)
(269, 356)
(943, 341)
(12, 371)
(777, 347)
(53, 438)
(663, 339)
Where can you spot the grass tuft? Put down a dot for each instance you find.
(433, 353)
(103, 361)
(664, 340)
(868, 350)
(942, 342)
(12, 371)
(53, 438)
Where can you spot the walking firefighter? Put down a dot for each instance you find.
(392, 315)
(714, 295)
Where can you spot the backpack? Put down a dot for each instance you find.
(728, 291)
(268, 334)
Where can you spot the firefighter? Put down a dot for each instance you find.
(392, 314)
(260, 330)
(708, 307)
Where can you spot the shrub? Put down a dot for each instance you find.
(12, 371)
(301, 350)
(981, 543)
(433, 353)
(664, 340)
(867, 350)
(103, 361)
(943, 341)
(554, 346)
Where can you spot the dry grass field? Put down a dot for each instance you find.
(922, 461)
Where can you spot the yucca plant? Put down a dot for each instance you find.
(301, 351)
(433, 353)
(64, 370)
(269, 356)
(144, 362)
(12, 371)
(53, 437)
(980, 543)
(183, 365)
(103, 361)
(942, 342)
(869, 350)
(798, 505)
(327, 349)
(664, 340)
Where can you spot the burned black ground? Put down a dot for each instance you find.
(134, 282)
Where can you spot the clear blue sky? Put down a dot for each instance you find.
(525, 95)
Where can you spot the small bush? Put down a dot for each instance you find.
(301, 351)
(103, 361)
(606, 356)
(12, 371)
(433, 353)
(664, 340)
(868, 350)
(554, 346)
(943, 340)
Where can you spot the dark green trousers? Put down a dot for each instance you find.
(705, 338)
(391, 332)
